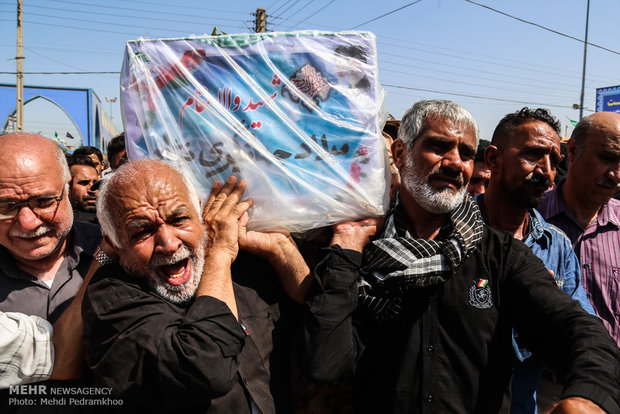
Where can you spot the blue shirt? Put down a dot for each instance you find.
(555, 250)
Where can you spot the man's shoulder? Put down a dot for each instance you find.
(556, 234)
(551, 203)
(614, 206)
(493, 235)
(111, 285)
(87, 236)
(501, 247)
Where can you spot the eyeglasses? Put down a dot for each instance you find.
(41, 206)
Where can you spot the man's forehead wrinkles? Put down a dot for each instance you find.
(30, 188)
(22, 177)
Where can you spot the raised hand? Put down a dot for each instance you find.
(222, 214)
(282, 253)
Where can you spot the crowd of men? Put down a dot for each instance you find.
(487, 277)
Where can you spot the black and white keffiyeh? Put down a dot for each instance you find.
(395, 261)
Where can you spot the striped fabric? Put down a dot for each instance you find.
(598, 250)
(396, 261)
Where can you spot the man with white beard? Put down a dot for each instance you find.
(426, 307)
(185, 320)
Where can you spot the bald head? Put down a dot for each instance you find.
(139, 180)
(602, 124)
(594, 160)
(24, 150)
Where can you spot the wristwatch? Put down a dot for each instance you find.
(102, 258)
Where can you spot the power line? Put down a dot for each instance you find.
(72, 49)
(477, 96)
(528, 66)
(90, 29)
(166, 13)
(386, 14)
(468, 76)
(52, 60)
(313, 14)
(272, 4)
(542, 27)
(279, 8)
(298, 11)
(142, 17)
(474, 69)
(289, 7)
(453, 81)
(99, 22)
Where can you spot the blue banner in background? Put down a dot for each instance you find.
(608, 99)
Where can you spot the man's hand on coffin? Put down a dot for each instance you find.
(222, 215)
(282, 253)
(354, 235)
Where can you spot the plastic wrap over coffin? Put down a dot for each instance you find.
(298, 115)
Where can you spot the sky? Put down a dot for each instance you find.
(491, 63)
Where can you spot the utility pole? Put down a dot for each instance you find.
(585, 52)
(19, 107)
(259, 26)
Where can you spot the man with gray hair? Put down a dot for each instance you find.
(44, 259)
(184, 319)
(44, 256)
(426, 308)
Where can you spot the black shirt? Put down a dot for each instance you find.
(160, 356)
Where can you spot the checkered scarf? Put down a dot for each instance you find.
(395, 261)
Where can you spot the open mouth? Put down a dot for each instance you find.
(177, 273)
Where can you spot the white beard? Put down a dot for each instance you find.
(180, 294)
(431, 200)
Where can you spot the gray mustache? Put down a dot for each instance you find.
(40, 231)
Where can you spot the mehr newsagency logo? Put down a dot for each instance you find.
(43, 395)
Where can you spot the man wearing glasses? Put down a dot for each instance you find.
(44, 256)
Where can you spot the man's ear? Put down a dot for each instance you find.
(493, 158)
(399, 153)
(571, 149)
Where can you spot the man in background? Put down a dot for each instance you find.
(94, 154)
(82, 189)
(117, 155)
(480, 177)
(582, 206)
(522, 158)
